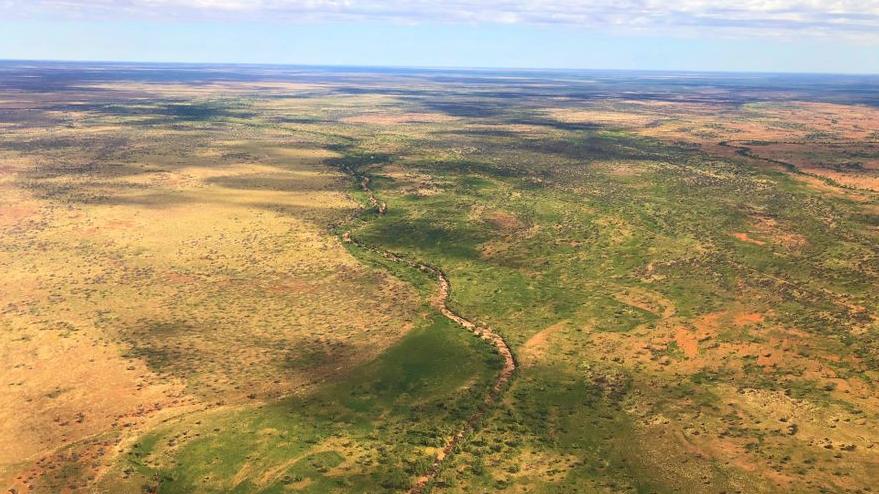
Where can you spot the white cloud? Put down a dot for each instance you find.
(803, 17)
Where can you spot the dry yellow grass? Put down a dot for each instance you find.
(151, 272)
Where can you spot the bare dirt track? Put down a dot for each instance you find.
(441, 303)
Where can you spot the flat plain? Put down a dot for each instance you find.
(211, 283)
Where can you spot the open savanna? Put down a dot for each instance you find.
(686, 274)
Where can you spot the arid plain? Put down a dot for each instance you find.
(225, 279)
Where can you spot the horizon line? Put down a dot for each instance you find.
(435, 68)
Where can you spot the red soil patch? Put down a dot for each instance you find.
(180, 279)
(746, 319)
(535, 348)
(708, 323)
(687, 342)
(503, 220)
(13, 214)
(745, 238)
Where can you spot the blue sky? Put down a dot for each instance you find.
(742, 35)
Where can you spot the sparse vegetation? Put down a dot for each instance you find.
(686, 276)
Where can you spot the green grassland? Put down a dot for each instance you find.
(581, 235)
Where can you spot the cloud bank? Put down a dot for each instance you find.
(800, 17)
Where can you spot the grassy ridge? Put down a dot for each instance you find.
(370, 432)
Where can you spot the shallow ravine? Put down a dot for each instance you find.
(441, 303)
